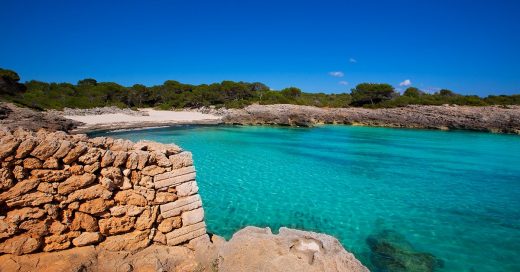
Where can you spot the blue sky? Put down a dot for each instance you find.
(327, 46)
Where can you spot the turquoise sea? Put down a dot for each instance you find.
(454, 194)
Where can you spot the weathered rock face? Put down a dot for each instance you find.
(256, 249)
(15, 117)
(489, 118)
(59, 191)
(250, 249)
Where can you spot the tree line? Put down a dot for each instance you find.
(89, 93)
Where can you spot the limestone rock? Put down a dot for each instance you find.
(91, 168)
(83, 221)
(142, 159)
(96, 206)
(75, 153)
(51, 163)
(96, 191)
(132, 161)
(112, 177)
(76, 169)
(59, 242)
(108, 158)
(32, 163)
(6, 179)
(132, 241)
(164, 197)
(50, 175)
(181, 160)
(153, 170)
(146, 219)
(120, 159)
(76, 182)
(129, 197)
(16, 216)
(8, 146)
(116, 225)
(7, 229)
(45, 149)
(192, 217)
(31, 199)
(187, 188)
(169, 224)
(87, 238)
(26, 147)
(161, 159)
(64, 149)
(21, 244)
(74, 259)
(91, 156)
(19, 173)
(36, 227)
(57, 227)
(253, 248)
(20, 188)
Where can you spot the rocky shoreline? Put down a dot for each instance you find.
(490, 118)
(103, 204)
(496, 119)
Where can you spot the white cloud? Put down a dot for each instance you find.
(406, 83)
(352, 60)
(343, 82)
(337, 74)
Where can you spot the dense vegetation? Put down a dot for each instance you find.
(88, 93)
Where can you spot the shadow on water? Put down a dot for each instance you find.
(391, 252)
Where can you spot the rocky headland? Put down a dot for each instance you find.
(500, 119)
(496, 119)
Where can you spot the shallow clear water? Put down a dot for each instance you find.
(454, 194)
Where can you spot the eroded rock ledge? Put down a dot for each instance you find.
(490, 118)
(250, 249)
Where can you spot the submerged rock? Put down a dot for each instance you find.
(391, 252)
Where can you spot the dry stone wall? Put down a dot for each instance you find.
(59, 191)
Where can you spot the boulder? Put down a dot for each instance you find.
(129, 197)
(132, 241)
(87, 238)
(75, 153)
(169, 224)
(50, 175)
(46, 149)
(153, 170)
(96, 191)
(8, 146)
(20, 188)
(96, 206)
(32, 163)
(31, 199)
(116, 225)
(76, 182)
(25, 148)
(21, 244)
(83, 221)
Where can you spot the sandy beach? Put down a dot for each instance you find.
(152, 119)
